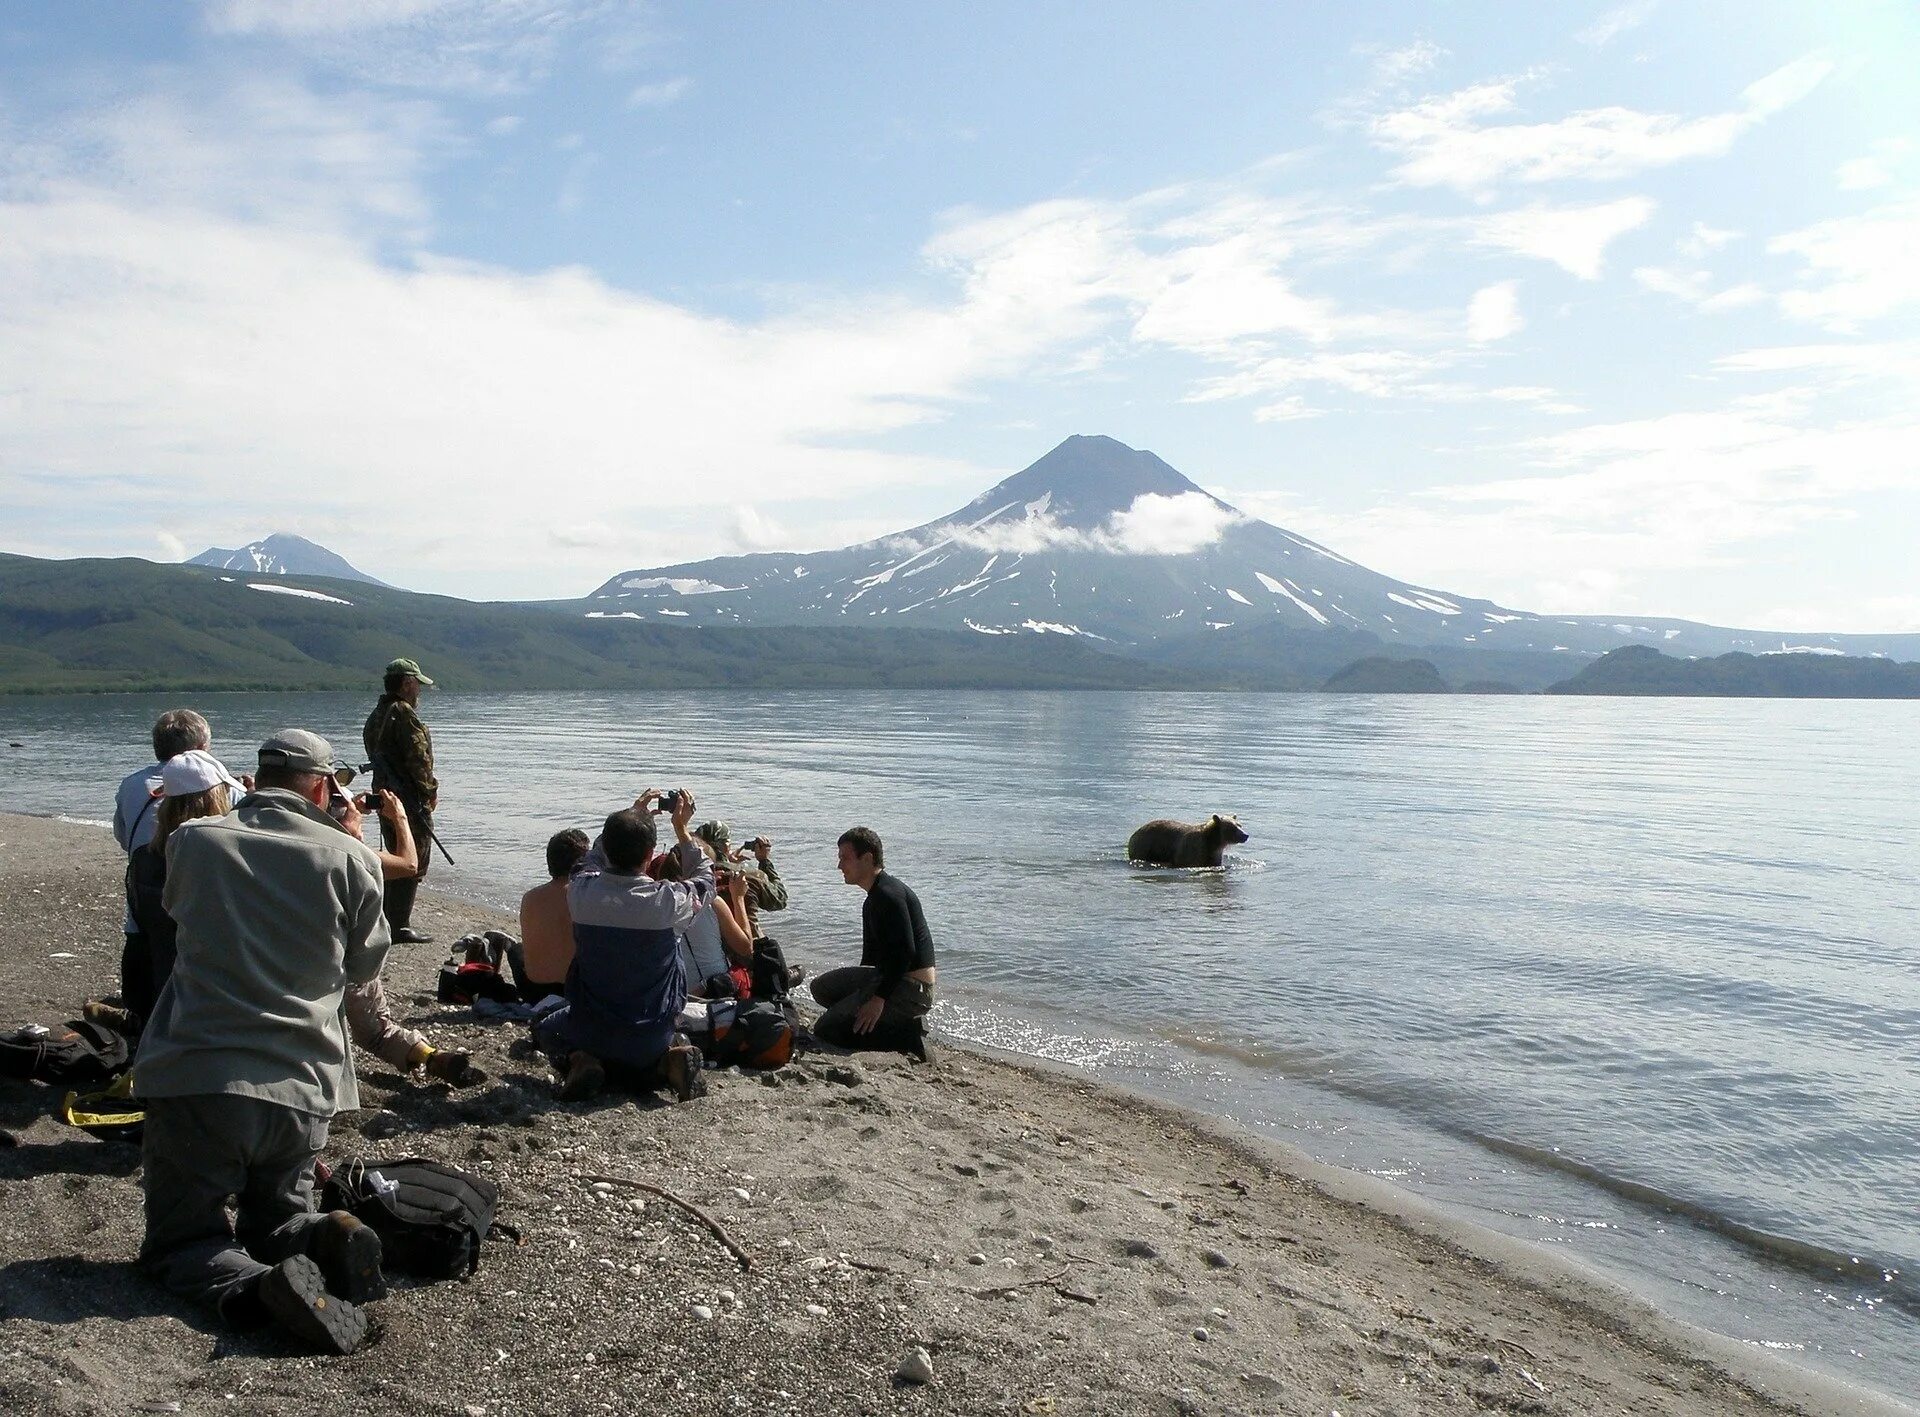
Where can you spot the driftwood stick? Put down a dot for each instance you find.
(733, 1246)
(1050, 1279)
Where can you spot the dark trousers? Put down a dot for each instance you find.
(532, 991)
(397, 895)
(137, 989)
(843, 992)
(197, 1151)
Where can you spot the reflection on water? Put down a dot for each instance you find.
(1669, 944)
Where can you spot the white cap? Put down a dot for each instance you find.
(194, 771)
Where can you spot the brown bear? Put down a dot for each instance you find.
(1170, 843)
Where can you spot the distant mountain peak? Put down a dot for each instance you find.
(282, 554)
(1083, 482)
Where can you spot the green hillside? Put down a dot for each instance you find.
(129, 624)
(1643, 670)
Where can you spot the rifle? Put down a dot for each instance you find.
(411, 804)
(414, 808)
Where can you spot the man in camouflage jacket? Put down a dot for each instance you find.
(401, 751)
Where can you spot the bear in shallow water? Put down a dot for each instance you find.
(1170, 843)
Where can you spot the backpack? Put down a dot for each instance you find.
(759, 1035)
(78, 1052)
(462, 982)
(769, 969)
(431, 1218)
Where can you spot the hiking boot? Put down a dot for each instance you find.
(407, 935)
(585, 1077)
(107, 1015)
(915, 1044)
(294, 1294)
(348, 1252)
(454, 1066)
(682, 1069)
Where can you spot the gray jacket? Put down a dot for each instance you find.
(278, 910)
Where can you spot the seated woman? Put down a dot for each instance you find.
(192, 784)
(716, 947)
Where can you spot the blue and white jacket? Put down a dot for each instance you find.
(627, 985)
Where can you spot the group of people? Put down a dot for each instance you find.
(258, 924)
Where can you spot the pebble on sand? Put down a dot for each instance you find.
(916, 1367)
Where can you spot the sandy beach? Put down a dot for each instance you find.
(1054, 1245)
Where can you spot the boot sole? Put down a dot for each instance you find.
(359, 1279)
(683, 1073)
(583, 1084)
(295, 1295)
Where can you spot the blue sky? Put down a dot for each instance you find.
(1602, 308)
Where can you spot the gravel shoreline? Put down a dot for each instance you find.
(1054, 1246)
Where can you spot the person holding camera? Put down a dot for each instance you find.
(881, 1002)
(245, 1059)
(370, 1019)
(627, 984)
(765, 890)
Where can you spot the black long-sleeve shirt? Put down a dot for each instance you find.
(894, 937)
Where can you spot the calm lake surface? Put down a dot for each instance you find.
(1636, 979)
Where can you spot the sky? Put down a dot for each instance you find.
(1606, 308)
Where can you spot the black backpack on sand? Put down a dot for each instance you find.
(432, 1218)
(81, 1052)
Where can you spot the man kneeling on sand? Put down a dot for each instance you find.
(627, 986)
(245, 1058)
(881, 1002)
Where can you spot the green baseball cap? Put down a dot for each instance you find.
(408, 666)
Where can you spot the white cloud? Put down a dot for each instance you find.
(1151, 525)
(171, 546)
(754, 531)
(1704, 240)
(1879, 168)
(264, 149)
(1696, 288)
(505, 124)
(1494, 312)
(1573, 238)
(485, 46)
(1452, 141)
(1613, 23)
(1156, 525)
(660, 94)
(1860, 268)
(1622, 518)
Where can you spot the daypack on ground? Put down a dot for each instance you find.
(759, 1035)
(77, 1052)
(432, 1218)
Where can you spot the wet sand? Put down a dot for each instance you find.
(1056, 1246)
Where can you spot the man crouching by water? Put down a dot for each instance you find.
(881, 1002)
(245, 1058)
(626, 985)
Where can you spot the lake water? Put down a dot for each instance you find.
(1636, 979)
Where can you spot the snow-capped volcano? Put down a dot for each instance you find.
(1110, 543)
(282, 554)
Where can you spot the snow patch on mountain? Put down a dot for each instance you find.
(296, 590)
(1283, 589)
(679, 585)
